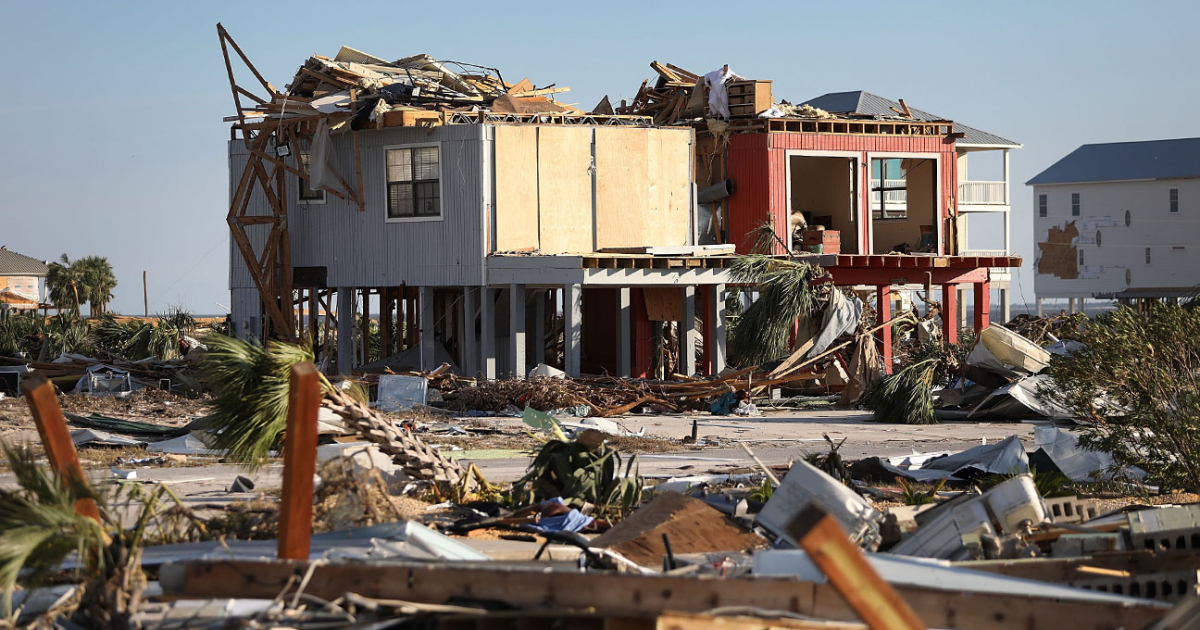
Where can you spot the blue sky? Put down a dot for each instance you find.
(114, 145)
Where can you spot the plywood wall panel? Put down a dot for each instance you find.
(565, 189)
(623, 181)
(516, 187)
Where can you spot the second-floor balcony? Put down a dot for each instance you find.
(980, 193)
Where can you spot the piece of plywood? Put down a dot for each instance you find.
(622, 187)
(690, 524)
(663, 304)
(565, 189)
(516, 187)
(669, 159)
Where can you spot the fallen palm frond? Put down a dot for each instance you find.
(251, 384)
(251, 403)
(786, 294)
(39, 526)
(582, 471)
(905, 397)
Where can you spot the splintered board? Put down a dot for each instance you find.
(565, 189)
(516, 187)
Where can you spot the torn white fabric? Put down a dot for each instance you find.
(718, 96)
(319, 175)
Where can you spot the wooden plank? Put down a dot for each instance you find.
(663, 304)
(516, 165)
(668, 164)
(624, 594)
(56, 439)
(299, 463)
(565, 189)
(827, 545)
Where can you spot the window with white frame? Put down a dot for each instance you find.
(1042, 206)
(307, 194)
(1174, 200)
(414, 183)
(1075, 204)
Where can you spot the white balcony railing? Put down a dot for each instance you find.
(896, 199)
(981, 193)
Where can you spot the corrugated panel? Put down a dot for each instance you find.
(363, 249)
(749, 205)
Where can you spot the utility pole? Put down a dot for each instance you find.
(145, 296)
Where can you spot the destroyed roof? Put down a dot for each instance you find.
(865, 103)
(1125, 161)
(14, 264)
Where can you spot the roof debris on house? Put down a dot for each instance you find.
(363, 92)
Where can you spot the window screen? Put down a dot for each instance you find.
(1174, 200)
(413, 177)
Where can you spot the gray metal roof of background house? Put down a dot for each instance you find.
(861, 102)
(14, 264)
(1124, 161)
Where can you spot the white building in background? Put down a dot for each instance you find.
(1119, 221)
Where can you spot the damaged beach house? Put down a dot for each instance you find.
(1116, 221)
(494, 228)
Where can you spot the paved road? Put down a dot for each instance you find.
(777, 438)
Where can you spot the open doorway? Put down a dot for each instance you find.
(824, 191)
(904, 205)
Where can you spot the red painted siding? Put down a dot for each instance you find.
(758, 167)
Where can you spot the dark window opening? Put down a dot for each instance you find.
(1174, 200)
(1075, 204)
(1043, 210)
(414, 183)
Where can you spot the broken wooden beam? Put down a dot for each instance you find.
(56, 439)
(828, 546)
(299, 463)
(623, 594)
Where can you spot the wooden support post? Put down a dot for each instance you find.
(312, 316)
(366, 325)
(983, 305)
(470, 340)
(687, 332)
(572, 328)
(428, 320)
(624, 332)
(539, 327)
(950, 319)
(56, 439)
(827, 545)
(345, 330)
(516, 330)
(487, 332)
(883, 310)
(299, 463)
(716, 328)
